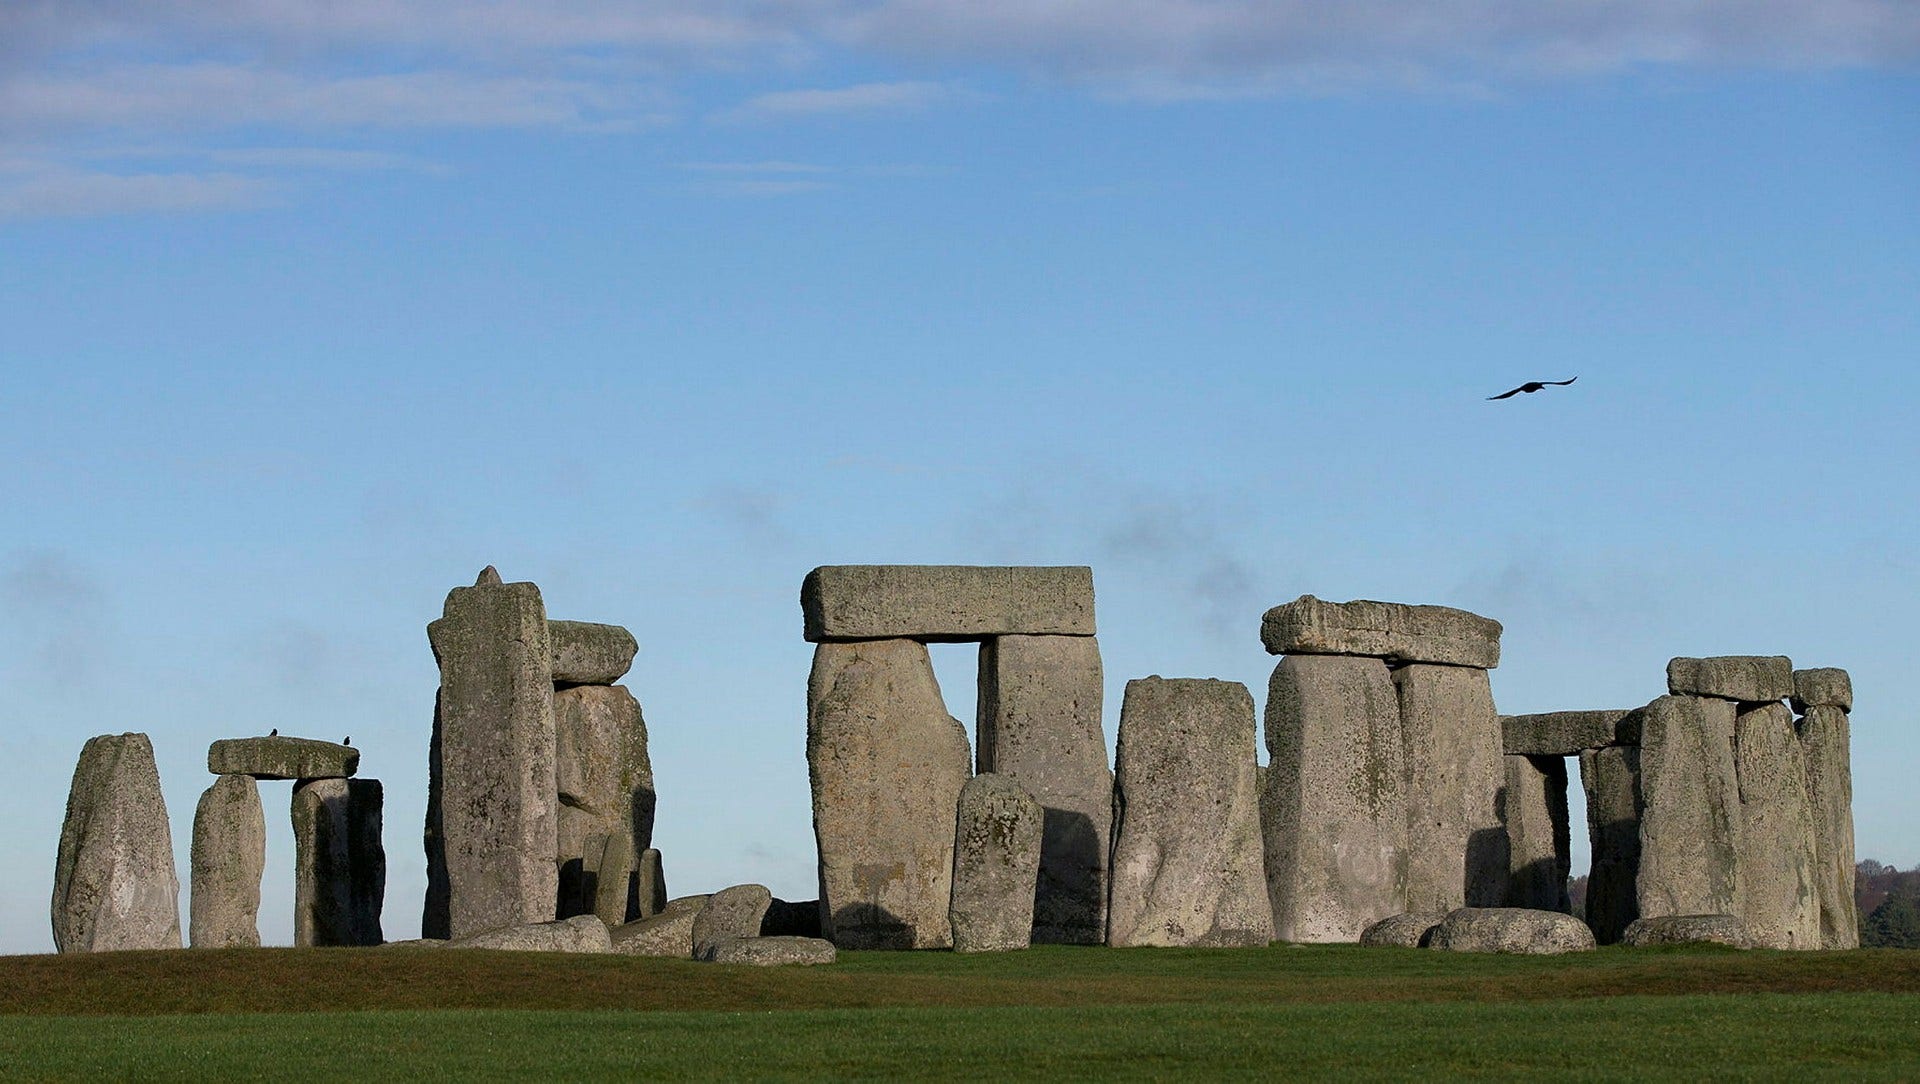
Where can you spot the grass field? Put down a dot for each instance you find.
(1048, 1012)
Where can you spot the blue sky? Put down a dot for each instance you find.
(309, 311)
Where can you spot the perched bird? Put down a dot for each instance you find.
(1530, 387)
(346, 741)
(274, 733)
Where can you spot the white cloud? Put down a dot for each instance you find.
(752, 167)
(54, 191)
(860, 98)
(329, 159)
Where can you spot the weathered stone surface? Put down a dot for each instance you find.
(1187, 864)
(581, 933)
(1457, 851)
(1824, 740)
(585, 653)
(340, 864)
(1778, 895)
(493, 808)
(229, 856)
(1566, 733)
(669, 933)
(114, 885)
(1410, 930)
(1611, 778)
(773, 951)
(1749, 678)
(996, 862)
(282, 758)
(886, 763)
(1383, 630)
(1822, 687)
(1335, 807)
(730, 913)
(1689, 930)
(946, 602)
(788, 919)
(605, 783)
(1534, 807)
(1039, 701)
(1690, 818)
(650, 888)
(1510, 929)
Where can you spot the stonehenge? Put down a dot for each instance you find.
(229, 858)
(996, 865)
(114, 885)
(340, 866)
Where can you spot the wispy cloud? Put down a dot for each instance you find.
(53, 191)
(327, 159)
(775, 167)
(835, 101)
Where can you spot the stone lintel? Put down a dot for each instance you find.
(946, 603)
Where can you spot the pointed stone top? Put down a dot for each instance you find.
(489, 577)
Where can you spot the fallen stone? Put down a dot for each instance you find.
(1039, 725)
(1382, 630)
(1689, 930)
(1187, 866)
(229, 857)
(1534, 806)
(581, 933)
(1457, 849)
(585, 653)
(1822, 687)
(1511, 929)
(730, 913)
(282, 758)
(1611, 778)
(1778, 896)
(1824, 741)
(340, 864)
(669, 933)
(417, 942)
(786, 919)
(605, 784)
(773, 951)
(1690, 819)
(1334, 811)
(945, 602)
(114, 885)
(996, 862)
(886, 764)
(1750, 678)
(1410, 930)
(650, 889)
(1567, 733)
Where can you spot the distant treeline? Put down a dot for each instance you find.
(1888, 900)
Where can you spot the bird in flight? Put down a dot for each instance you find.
(1530, 387)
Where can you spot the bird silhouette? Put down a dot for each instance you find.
(274, 733)
(1530, 387)
(346, 741)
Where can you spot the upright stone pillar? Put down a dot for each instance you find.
(340, 864)
(114, 885)
(1779, 896)
(1611, 777)
(1534, 807)
(1824, 697)
(1690, 824)
(496, 832)
(886, 764)
(1457, 849)
(1039, 725)
(996, 862)
(229, 857)
(1187, 863)
(605, 784)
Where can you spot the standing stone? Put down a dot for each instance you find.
(605, 784)
(1335, 807)
(1187, 865)
(1690, 822)
(886, 763)
(1778, 895)
(996, 861)
(340, 865)
(229, 856)
(650, 887)
(1611, 778)
(615, 887)
(945, 602)
(1824, 739)
(1039, 701)
(492, 818)
(730, 913)
(1457, 851)
(114, 885)
(1384, 630)
(1534, 807)
(1747, 678)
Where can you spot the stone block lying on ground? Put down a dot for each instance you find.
(229, 856)
(282, 758)
(772, 951)
(1728, 930)
(1382, 630)
(585, 653)
(996, 864)
(114, 885)
(669, 933)
(730, 913)
(581, 933)
(946, 602)
(1822, 687)
(1750, 678)
(1510, 929)
(1410, 930)
(1567, 733)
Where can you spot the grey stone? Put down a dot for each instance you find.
(1778, 895)
(773, 951)
(1382, 630)
(1410, 930)
(1511, 929)
(1539, 836)
(1822, 687)
(581, 933)
(585, 653)
(114, 885)
(1824, 740)
(1611, 778)
(1567, 733)
(1689, 930)
(1690, 817)
(650, 889)
(729, 913)
(1749, 678)
(946, 602)
(605, 784)
(416, 942)
(340, 864)
(669, 933)
(1039, 705)
(886, 764)
(996, 862)
(229, 856)
(493, 801)
(1335, 807)
(282, 758)
(1187, 866)
(607, 879)
(785, 919)
(1457, 850)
